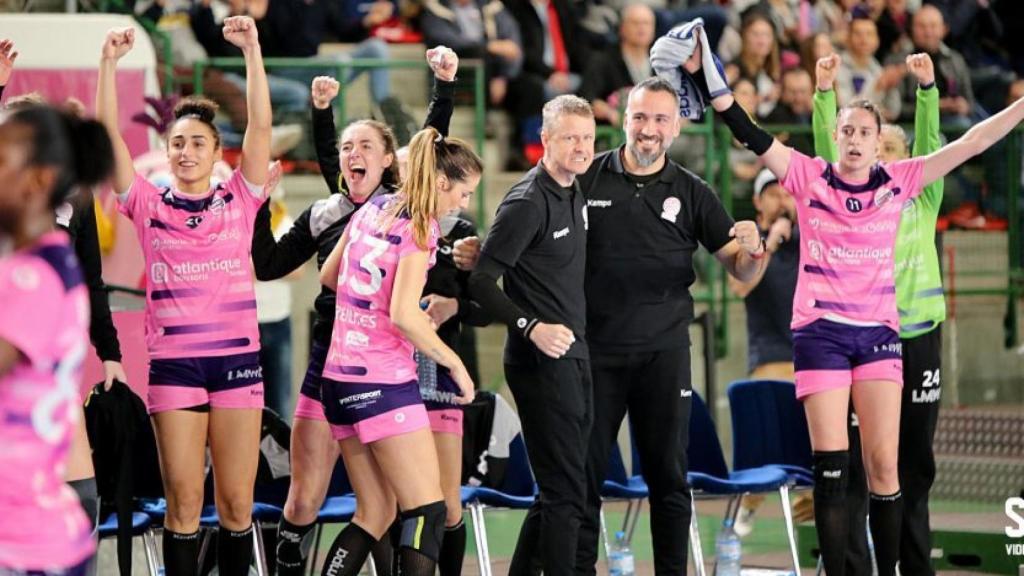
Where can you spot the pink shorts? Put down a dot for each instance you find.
(218, 382)
(372, 412)
(309, 409)
(828, 355)
(447, 421)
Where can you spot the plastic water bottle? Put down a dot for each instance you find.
(620, 559)
(727, 551)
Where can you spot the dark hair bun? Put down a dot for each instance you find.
(202, 108)
(92, 150)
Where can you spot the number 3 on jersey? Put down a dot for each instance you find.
(377, 248)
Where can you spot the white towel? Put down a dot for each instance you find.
(667, 57)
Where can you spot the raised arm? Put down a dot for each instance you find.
(325, 136)
(445, 65)
(118, 42)
(241, 31)
(978, 139)
(774, 153)
(823, 119)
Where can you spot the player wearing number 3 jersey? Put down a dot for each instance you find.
(369, 391)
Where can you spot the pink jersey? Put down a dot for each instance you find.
(199, 290)
(46, 318)
(847, 239)
(365, 345)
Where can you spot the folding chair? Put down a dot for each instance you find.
(518, 492)
(142, 525)
(622, 486)
(769, 428)
(709, 477)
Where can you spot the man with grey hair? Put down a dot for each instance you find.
(538, 244)
(647, 215)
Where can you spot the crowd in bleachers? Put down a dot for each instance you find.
(537, 49)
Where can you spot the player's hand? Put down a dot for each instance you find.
(465, 383)
(439, 308)
(119, 41)
(241, 31)
(444, 62)
(553, 340)
(113, 370)
(921, 66)
(466, 252)
(747, 236)
(7, 57)
(324, 89)
(825, 71)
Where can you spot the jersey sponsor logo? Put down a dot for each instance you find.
(225, 236)
(670, 208)
(245, 373)
(599, 203)
(351, 316)
(854, 205)
(171, 243)
(337, 562)
(217, 205)
(561, 233)
(400, 417)
(362, 397)
(353, 338)
(855, 255)
(1015, 529)
(815, 248)
(446, 250)
(885, 195)
(833, 227)
(64, 213)
(439, 396)
(684, 393)
(832, 473)
(158, 272)
(521, 323)
(193, 222)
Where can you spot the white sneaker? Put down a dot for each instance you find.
(283, 138)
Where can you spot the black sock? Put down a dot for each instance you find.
(234, 551)
(453, 550)
(383, 553)
(886, 517)
(412, 562)
(293, 544)
(181, 553)
(348, 552)
(831, 471)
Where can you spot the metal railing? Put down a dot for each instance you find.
(344, 67)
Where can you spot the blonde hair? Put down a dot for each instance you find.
(431, 155)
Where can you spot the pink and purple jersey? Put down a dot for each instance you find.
(365, 346)
(200, 299)
(46, 318)
(847, 240)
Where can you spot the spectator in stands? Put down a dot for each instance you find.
(861, 76)
(477, 29)
(759, 59)
(621, 67)
(795, 107)
(553, 61)
(745, 164)
(286, 95)
(973, 25)
(952, 77)
(813, 49)
(768, 297)
(893, 30)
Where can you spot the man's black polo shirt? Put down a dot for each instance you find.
(643, 233)
(539, 238)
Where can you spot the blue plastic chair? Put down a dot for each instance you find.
(769, 428)
(709, 477)
(142, 526)
(518, 491)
